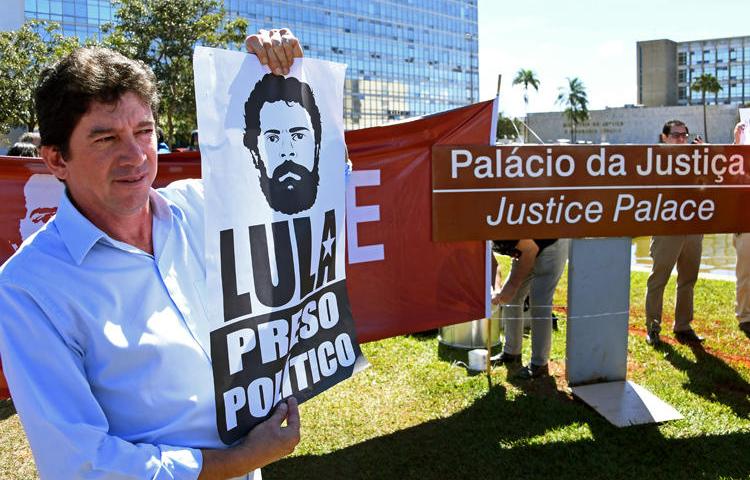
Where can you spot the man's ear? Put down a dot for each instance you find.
(54, 160)
(663, 138)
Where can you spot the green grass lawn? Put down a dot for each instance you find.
(415, 413)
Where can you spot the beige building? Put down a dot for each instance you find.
(634, 124)
(657, 72)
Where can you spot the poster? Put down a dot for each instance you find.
(273, 163)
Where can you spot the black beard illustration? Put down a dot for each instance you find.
(291, 195)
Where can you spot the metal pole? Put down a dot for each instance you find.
(489, 348)
(488, 342)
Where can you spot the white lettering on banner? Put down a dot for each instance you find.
(664, 210)
(553, 212)
(239, 342)
(455, 164)
(599, 165)
(697, 164)
(263, 393)
(277, 337)
(361, 214)
(512, 166)
(234, 399)
(558, 210)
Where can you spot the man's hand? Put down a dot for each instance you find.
(739, 129)
(275, 48)
(503, 294)
(269, 441)
(265, 443)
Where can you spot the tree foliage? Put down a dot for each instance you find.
(24, 53)
(527, 78)
(163, 34)
(706, 83)
(573, 97)
(508, 128)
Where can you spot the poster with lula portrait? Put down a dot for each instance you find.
(273, 162)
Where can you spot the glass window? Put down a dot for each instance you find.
(410, 57)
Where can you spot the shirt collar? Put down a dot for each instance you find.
(80, 235)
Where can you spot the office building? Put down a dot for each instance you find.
(405, 58)
(666, 69)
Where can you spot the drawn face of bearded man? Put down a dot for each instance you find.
(284, 142)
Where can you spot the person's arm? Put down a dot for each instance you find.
(521, 268)
(739, 129)
(265, 443)
(67, 428)
(276, 48)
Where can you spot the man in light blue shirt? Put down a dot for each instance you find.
(103, 332)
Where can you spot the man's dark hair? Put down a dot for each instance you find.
(667, 128)
(23, 149)
(67, 89)
(273, 88)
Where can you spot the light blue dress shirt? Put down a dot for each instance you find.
(106, 347)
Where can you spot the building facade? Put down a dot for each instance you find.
(666, 69)
(405, 58)
(635, 124)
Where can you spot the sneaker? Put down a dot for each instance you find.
(688, 336)
(532, 371)
(652, 338)
(505, 359)
(745, 328)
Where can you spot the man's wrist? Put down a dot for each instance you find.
(222, 464)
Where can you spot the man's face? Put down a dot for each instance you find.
(111, 160)
(678, 135)
(287, 165)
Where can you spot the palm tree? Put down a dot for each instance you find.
(706, 83)
(576, 103)
(526, 77)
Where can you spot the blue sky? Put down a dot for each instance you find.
(592, 40)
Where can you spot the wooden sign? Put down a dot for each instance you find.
(566, 191)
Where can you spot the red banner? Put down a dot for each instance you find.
(399, 280)
(414, 284)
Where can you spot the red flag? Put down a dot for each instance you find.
(409, 283)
